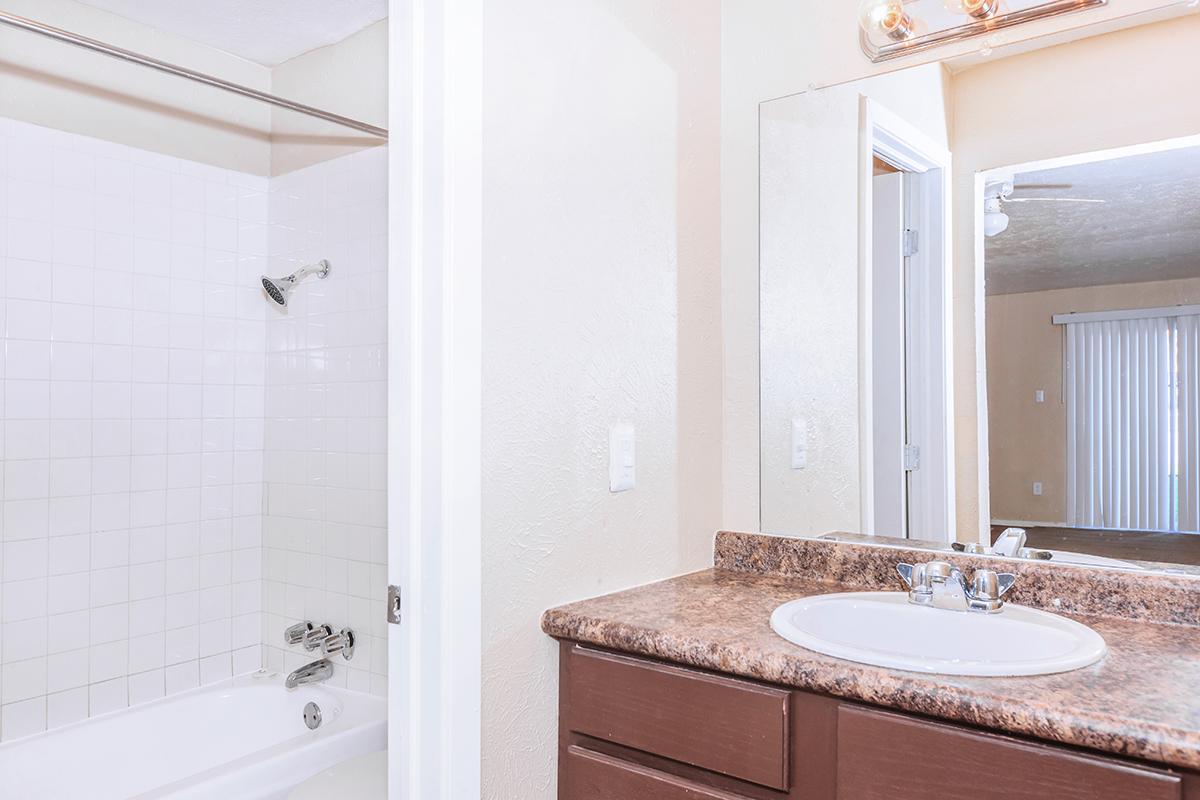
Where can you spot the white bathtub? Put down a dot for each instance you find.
(242, 738)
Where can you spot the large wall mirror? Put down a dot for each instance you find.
(980, 305)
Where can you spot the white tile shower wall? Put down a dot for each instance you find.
(134, 372)
(325, 525)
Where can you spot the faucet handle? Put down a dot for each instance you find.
(314, 638)
(339, 643)
(906, 573)
(296, 633)
(988, 587)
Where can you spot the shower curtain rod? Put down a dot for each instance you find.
(183, 72)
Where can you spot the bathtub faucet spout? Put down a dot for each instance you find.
(315, 672)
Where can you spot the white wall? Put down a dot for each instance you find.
(134, 376)
(325, 518)
(64, 87)
(348, 78)
(772, 48)
(601, 298)
(67, 88)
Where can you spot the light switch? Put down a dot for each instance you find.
(1037, 489)
(622, 460)
(1039, 396)
(799, 443)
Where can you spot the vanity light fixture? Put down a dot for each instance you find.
(895, 28)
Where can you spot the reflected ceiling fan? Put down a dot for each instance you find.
(998, 193)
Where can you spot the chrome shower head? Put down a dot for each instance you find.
(278, 289)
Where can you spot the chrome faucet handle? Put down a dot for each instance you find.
(1034, 554)
(917, 578)
(296, 633)
(987, 589)
(313, 639)
(339, 643)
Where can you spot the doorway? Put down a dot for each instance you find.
(908, 334)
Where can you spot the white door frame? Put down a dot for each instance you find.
(434, 397)
(901, 144)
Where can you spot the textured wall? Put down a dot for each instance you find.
(601, 305)
(1028, 440)
(809, 346)
(325, 525)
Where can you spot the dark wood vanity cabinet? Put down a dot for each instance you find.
(635, 729)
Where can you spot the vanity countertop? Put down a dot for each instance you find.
(1142, 700)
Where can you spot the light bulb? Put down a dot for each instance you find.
(977, 9)
(887, 17)
(995, 221)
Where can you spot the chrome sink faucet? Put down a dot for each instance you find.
(1010, 543)
(940, 584)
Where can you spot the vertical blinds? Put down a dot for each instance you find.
(1188, 383)
(1133, 458)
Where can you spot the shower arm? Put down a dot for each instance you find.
(96, 46)
(321, 268)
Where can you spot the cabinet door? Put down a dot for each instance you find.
(723, 725)
(596, 776)
(882, 756)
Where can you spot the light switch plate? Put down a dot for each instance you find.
(799, 443)
(622, 458)
(1039, 396)
(1037, 489)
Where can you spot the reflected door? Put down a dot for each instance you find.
(889, 413)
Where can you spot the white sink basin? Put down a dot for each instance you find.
(884, 629)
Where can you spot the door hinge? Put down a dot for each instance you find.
(910, 243)
(912, 457)
(393, 605)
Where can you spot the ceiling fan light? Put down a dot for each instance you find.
(995, 223)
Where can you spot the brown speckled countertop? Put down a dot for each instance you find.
(1142, 700)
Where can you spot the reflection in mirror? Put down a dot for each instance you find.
(980, 305)
(1093, 321)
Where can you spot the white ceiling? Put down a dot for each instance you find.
(266, 31)
(1148, 228)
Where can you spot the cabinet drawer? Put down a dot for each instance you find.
(723, 725)
(599, 777)
(882, 756)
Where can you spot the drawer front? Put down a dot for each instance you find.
(882, 756)
(593, 776)
(724, 725)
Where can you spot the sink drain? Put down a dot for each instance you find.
(312, 716)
